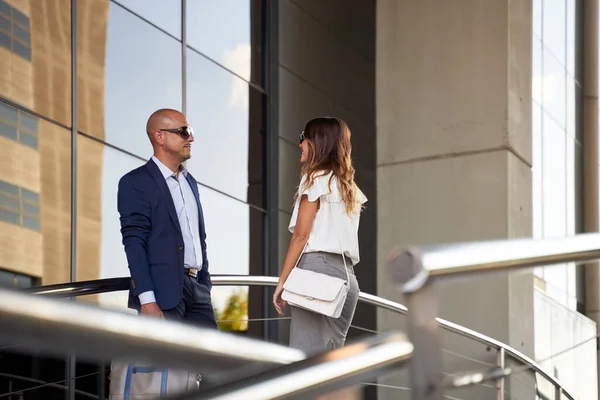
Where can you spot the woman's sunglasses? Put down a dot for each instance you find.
(185, 131)
(302, 137)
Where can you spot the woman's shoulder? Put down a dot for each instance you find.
(319, 178)
(319, 184)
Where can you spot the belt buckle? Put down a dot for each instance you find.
(193, 272)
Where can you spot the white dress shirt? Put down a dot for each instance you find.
(333, 230)
(186, 209)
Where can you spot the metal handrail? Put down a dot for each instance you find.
(94, 286)
(415, 269)
(56, 326)
(356, 362)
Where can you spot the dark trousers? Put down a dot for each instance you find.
(195, 307)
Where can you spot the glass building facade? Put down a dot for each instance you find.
(132, 57)
(79, 81)
(557, 138)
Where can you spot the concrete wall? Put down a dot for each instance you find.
(454, 156)
(558, 328)
(327, 67)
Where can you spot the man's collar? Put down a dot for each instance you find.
(165, 171)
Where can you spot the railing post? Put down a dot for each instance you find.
(557, 392)
(424, 332)
(500, 362)
(423, 327)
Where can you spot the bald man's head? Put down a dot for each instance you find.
(164, 118)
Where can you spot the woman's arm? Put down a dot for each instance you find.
(306, 215)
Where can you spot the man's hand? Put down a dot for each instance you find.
(152, 309)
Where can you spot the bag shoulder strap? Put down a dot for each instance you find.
(340, 241)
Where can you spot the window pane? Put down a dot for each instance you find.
(234, 239)
(10, 217)
(30, 209)
(570, 36)
(100, 253)
(555, 28)
(570, 186)
(227, 114)
(554, 178)
(40, 77)
(31, 223)
(139, 73)
(20, 18)
(36, 239)
(28, 140)
(222, 30)
(7, 279)
(4, 8)
(22, 50)
(5, 41)
(30, 196)
(9, 203)
(537, 18)
(536, 171)
(8, 113)
(22, 35)
(537, 73)
(28, 122)
(554, 89)
(165, 14)
(9, 189)
(8, 131)
(24, 281)
(5, 24)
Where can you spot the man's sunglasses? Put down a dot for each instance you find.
(185, 131)
(302, 137)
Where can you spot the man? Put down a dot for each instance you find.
(163, 231)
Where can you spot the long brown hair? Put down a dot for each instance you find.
(330, 150)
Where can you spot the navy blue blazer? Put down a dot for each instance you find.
(152, 236)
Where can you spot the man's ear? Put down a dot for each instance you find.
(158, 136)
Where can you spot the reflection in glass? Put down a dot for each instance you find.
(100, 253)
(127, 70)
(536, 72)
(222, 30)
(227, 116)
(554, 178)
(166, 14)
(537, 18)
(554, 87)
(574, 162)
(35, 202)
(35, 56)
(570, 104)
(234, 239)
(570, 36)
(555, 27)
(536, 171)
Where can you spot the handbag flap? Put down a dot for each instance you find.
(313, 284)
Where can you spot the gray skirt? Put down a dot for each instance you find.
(316, 333)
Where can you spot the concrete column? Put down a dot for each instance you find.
(453, 99)
(590, 154)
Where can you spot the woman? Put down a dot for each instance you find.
(324, 224)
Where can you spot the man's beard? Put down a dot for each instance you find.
(179, 155)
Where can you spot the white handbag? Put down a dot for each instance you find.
(137, 382)
(313, 291)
